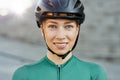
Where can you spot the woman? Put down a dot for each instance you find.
(59, 22)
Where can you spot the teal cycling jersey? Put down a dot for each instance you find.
(73, 69)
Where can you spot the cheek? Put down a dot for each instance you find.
(73, 34)
(49, 35)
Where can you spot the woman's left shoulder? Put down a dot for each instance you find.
(92, 66)
(97, 71)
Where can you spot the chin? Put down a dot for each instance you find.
(61, 52)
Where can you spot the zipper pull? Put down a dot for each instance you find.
(58, 65)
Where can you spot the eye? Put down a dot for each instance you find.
(52, 26)
(69, 27)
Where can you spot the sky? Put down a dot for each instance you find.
(14, 6)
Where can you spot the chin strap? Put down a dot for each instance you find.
(64, 55)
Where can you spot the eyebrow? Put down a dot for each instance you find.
(68, 22)
(51, 22)
(56, 22)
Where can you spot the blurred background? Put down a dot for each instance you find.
(21, 42)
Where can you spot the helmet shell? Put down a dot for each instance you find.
(69, 7)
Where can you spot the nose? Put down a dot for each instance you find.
(60, 34)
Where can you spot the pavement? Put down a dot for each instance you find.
(15, 53)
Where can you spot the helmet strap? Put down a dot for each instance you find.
(64, 55)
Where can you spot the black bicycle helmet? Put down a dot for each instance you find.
(73, 8)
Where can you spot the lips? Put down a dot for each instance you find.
(60, 45)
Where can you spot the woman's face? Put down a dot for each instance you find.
(60, 34)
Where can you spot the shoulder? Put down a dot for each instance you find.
(22, 72)
(37, 63)
(85, 63)
(96, 70)
(90, 65)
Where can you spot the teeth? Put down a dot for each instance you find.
(60, 45)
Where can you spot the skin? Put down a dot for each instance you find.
(60, 36)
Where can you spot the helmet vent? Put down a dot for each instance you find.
(49, 2)
(65, 2)
(78, 3)
(38, 8)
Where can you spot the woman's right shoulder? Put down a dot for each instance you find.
(23, 71)
(20, 73)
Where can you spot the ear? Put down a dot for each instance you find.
(78, 27)
(41, 29)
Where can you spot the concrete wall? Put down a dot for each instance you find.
(100, 34)
(101, 30)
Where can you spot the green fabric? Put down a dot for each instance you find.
(73, 69)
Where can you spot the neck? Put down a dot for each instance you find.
(56, 59)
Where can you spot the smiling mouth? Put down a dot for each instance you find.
(60, 45)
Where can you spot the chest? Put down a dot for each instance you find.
(59, 73)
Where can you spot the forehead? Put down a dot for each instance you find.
(61, 21)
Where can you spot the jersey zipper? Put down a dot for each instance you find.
(58, 72)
